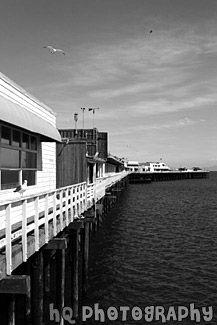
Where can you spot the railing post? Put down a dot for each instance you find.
(54, 215)
(85, 204)
(76, 201)
(67, 207)
(36, 224)
(24, 230)
(46, 220)
(61, 210)
(8, 240)
(71, 204)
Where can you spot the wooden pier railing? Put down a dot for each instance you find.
(34, 220)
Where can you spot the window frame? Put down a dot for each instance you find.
(33, 141)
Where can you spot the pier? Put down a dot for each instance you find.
(148, 177)
(45, 232)
(71, 183)
(56, 223)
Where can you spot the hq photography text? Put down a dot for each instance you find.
(124, 313)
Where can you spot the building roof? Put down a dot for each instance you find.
(132, 162)
(17, 115)
(24, 92)
(114, 160)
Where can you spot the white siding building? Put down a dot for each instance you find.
(154, 167)
(28, 137)
(132, 166)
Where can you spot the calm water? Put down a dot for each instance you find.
(157, 247)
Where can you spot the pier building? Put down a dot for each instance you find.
(132, 166)
(27, 147)
(69, 190)
(114, 164)
(154, 167)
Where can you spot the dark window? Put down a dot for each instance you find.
(29, 175)
(25, 142)
(29, 159)
(9, 179)
(16, 138)
(10, 158)
(19, 157)
(6, 135)
(33, 143)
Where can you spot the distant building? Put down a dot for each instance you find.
(196, 169)
(81, 156)
(132, 166)
(154, 167)
(27, 141)
(183, 169)
(113, 164)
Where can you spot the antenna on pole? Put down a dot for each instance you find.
(83, 109)
(93, 110)
(76, 120)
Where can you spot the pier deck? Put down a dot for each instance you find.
(28, 223)
(148, 177)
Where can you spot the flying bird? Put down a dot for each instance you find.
(21, 188)
(53, 50)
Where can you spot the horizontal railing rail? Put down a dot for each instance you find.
(27, 215)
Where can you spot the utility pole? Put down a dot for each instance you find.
(93, 110)
(76, 120)
(83, 109)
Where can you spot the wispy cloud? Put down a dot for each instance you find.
(170, 125)
(94, 64)
(138, 77)
(161, 106)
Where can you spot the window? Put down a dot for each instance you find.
(18, 157)
(9, 178)
(29, 159)
(5, 135)
(33, 143)
(25, 142)
(10, 158)
(16, 138)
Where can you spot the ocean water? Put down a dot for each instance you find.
(157, 247)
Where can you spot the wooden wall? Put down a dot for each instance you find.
(103, 144)
(96, 141)
(46, 176)
(71, 163)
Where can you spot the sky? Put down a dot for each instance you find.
(156, 91)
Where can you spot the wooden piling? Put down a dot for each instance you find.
(13, 285)
(60, 280)
(58, 244)
(47, 273)
(37, 294)
(11, 310)
(47, 283)
(74, 271)
(28, 309)
(85, 258)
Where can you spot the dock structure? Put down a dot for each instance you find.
(35, 226)
(46, 230)
(148, 177)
